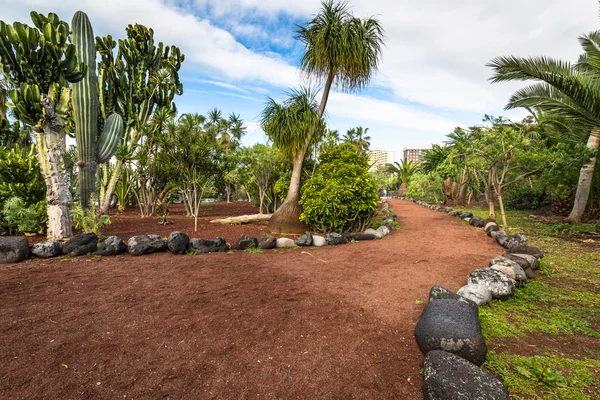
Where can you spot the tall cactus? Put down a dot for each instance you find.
(91, 149)
(39, 62)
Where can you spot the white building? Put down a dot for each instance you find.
(381, 157)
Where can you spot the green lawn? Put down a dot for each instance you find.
(545, 341)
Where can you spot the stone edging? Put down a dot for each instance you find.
(16, 248)
(449, 332)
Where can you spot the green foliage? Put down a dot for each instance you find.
(88, 219)
(341, 196)
(20, 175)
(25, 218)
(262, 165)
(39, 63)
(426, 187)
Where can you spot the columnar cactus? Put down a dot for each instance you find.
(91, 148)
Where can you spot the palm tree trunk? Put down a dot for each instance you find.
(51, 147)
(287, 217)
(585, 180)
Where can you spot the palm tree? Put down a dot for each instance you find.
(358, 137)
(341, 51)
(292, 126)
(404, 171)
(565, 90)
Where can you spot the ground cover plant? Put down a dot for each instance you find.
(545, 341)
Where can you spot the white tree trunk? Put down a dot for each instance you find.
(51, 146)
(585, 181)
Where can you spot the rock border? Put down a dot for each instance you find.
(16, 248)
(454, 370)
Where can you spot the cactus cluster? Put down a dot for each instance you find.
(91, 147)
(39, 62)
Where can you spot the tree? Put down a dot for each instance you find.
(404, 171)
(341, 51)
(358, 137)
(191, 151)
(141, 79)
(292, 126)
(563, 89)
(40, 62)
(262, 163)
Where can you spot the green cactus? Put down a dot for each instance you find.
(39, 62)
(91, 149)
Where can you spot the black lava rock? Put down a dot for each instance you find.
(47, 249)
(452, 326)
(477, 222)
(178, 242)
(112, 246)
(13, 249)
(201, 246)
(439, 293)
(447, 376)
(334, 238)
(266, 243)
(146, 244)
(305, 240)
(245, 242)
(80, 245)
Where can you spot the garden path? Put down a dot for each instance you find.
(326, 323)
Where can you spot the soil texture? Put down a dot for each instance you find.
(307, 323)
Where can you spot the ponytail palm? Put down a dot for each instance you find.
(565, 90)
(341, 50)
(292, 126)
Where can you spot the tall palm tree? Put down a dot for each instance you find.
(562, 89)
(341, 51)
(292, 126)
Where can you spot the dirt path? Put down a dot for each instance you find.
(327, 323)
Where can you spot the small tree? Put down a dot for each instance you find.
(262, 162)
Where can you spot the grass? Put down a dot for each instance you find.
(562, 302)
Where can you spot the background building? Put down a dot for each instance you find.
(414, 153)
(381, 157)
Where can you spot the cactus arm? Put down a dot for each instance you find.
(111, 138)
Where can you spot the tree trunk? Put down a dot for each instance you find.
(454, 194)
(464, 184)
(287, 217)
(447, 191)
(585, 181)
(502, 213)
(51, 147)
(110, 189)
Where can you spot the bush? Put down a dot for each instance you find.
(426, 187)
(341, 196)
(23, 218)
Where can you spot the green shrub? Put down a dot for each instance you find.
(340, 196)
(426, 187)
(20, 175)
(25, 218)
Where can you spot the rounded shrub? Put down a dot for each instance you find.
(340, 196)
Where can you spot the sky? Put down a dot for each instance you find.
(432, 76)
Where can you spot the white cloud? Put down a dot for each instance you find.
(435, 52)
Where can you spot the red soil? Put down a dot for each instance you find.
(327, 323)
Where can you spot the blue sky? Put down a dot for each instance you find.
(432, 75)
